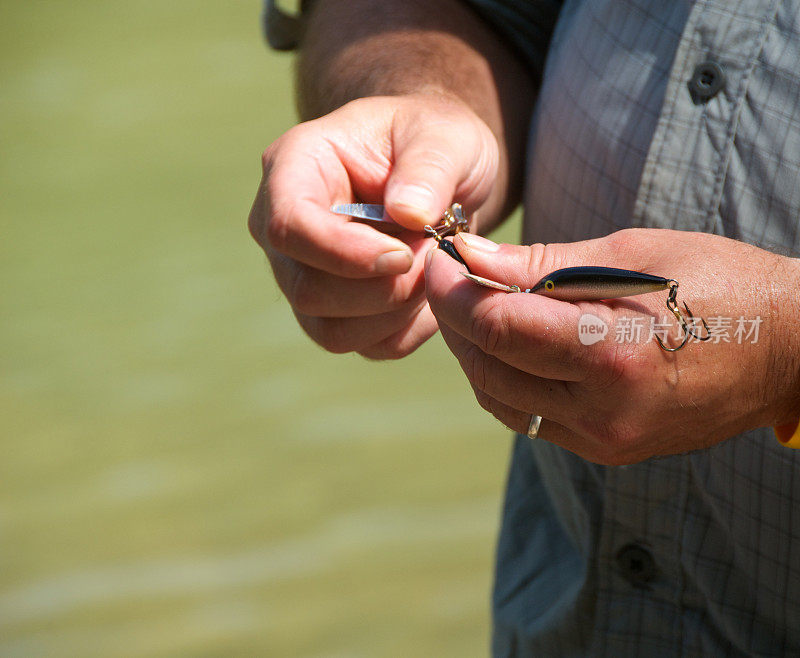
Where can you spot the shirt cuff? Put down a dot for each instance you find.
(282, 30)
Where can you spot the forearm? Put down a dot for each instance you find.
(360, 48)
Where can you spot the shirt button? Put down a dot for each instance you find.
(707, 81)
(636, 563)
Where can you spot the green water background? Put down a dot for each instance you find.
(182, 472)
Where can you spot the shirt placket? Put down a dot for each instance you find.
(683, 176)
(640, 542)
(640, 580)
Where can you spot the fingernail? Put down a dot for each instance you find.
(478, 243)
(415, 196)
(394, 262)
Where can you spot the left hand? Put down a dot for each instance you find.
(618, 402)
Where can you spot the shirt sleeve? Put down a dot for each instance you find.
(525, 25)
(282, 30)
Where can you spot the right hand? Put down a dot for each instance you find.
(351, 287)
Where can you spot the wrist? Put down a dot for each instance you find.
(353, 50)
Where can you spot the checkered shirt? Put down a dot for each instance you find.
(694, 554)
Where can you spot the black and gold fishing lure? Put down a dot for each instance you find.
(584, 284)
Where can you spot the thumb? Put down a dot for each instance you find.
(451, 156)
(523, 265)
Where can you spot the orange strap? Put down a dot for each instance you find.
(789, 435)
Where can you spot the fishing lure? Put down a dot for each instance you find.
(573, 284)
(452, 222)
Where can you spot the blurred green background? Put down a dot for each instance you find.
(182, 471)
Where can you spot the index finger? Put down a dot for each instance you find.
(292, 215)
(530, 332)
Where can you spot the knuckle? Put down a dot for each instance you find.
(491, 329)
(399, 345)
(620, 244)
(485, 159)
(540, 258)
(255, 220)
(488, 150)
(485, 401)
(493, 407)
(408, 336)
(303, 293)
(289, 140)
(610, 364)
(276, 234)
(475, 366)
(279, 210)
(278, 224)
(406, 291)
(437, 163)
(268, 155)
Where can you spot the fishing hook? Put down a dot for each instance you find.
(672, 306)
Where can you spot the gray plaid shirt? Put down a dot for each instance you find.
(695, 554)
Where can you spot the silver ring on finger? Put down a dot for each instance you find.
(533, 426)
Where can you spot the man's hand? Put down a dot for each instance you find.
(619, 402)
(353, 288)
(422, 104)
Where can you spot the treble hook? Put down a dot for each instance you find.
(672, 306)
(453, 221)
